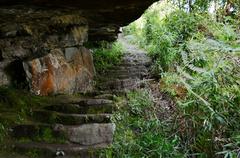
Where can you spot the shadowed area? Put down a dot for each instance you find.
(104, 16)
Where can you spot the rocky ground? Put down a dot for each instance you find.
(77, 126)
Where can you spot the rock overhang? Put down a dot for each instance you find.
(104, 17)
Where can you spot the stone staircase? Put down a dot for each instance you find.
(77, 127)
(74, 128)
(122, 78)
(127, 75)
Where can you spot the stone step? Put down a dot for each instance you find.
(127, 71)
(37, 132)
(85, 99)
(47, 150)
(95, 94)
(87, 107)
(139, 75)
(93, 102)
(128, 67)
(127, 76)
(87, 134)
(117, 77)
(128, 63)
(120, 84)
(104, 96)
(46, 116)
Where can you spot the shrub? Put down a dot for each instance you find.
(210, 109)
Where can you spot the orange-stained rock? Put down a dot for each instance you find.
(54, 74)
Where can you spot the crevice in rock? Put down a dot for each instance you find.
(1, 56)
(17, 75)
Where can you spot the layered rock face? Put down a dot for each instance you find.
(59, 73)
(49, 54)
(48, 37)
(104, 16)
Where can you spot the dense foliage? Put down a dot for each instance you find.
(139, 132)
(197, 59)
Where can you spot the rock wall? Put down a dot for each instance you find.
(50, 54)
(48, 36)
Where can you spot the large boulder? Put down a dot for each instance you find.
(61, 72)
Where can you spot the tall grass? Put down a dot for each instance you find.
(139, 132)
(197, 61)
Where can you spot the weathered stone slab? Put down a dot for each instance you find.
(91, 134)
(52, 74)
(67, 150)
(86, 134)
(86, 109)
(69, 119)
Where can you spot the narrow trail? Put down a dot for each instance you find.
(134, 73)
(127, 75)
(131, 49)
(134, 55)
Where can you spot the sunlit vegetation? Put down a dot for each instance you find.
(139, 132)
(106, 55)
(195, 47)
